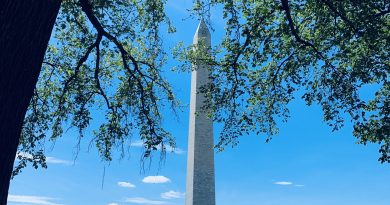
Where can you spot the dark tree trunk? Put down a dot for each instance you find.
(25, 29)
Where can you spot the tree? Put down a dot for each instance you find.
(325, 51)
(26, 30)
(106, 55)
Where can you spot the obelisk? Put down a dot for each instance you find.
(200, 162)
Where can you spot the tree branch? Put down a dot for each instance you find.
(343, 17)
(295, 33)
(87, 9)
(96, 75)
(82, 60)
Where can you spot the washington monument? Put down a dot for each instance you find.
(200, 162)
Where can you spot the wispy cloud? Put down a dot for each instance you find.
(31, 200)
(54, 160)
(172, 195)
(175, 150)
(126, 184)
(284, 183)
(137, 143)
(168, 148)
(155, 180)
(49, 160)
(287, 183)
(24, 155)
(113, 204)
(140, 200)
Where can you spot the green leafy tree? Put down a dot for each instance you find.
(105, 55)
(112, 67)
(324, 51)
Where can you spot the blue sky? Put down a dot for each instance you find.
(306, 164)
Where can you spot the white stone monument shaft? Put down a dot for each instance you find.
(200, 162)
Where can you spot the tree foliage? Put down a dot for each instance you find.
(105, 57)
(108, 54)
(324, 51)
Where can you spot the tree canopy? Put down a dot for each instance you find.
(109, 54)
(324, 51)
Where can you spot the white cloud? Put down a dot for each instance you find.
(175, 150)
(172, 195)
(49, 160)
(31, 200)
(126, 184)
(283, 183)
(137, 143)
(113, 204)
(24, 155)
(299, 185)
(155, 179)
(139, 200)
(53, 160)
(168, 148)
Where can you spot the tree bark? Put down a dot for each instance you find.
(25, 29)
